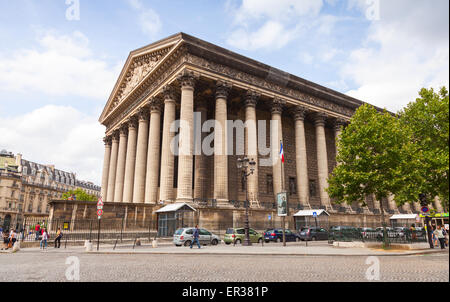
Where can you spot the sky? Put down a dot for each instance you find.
(59, 59)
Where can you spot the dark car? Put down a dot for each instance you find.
(313, 233)
(276, 235)
(342, 232)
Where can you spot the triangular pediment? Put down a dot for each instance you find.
(140, 63)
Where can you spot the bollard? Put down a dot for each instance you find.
(89, 246)
(16, 247)
(155, 243)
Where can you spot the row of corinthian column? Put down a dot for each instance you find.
(132, 159)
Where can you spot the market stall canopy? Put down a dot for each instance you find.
(310, 213)
(404, 216)
(175, 207)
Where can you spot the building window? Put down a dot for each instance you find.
(30, 207)
(292, 186)
(312, 188)
(269, 183)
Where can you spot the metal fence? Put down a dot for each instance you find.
(393, 236)
(87, 229)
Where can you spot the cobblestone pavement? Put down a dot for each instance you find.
(47, 266)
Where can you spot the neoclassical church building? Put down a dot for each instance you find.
(182, 77)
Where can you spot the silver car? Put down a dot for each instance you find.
(184, 236)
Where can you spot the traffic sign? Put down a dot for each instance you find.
(314, 214)
(424, 209)
(270, 217)
(99, 213)
(100, 202)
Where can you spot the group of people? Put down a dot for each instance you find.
(42, 235)
(9, 238)
(440, 235)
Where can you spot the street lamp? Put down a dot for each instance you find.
(244, 164)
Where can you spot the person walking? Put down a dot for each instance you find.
(12, 238)
(59, 235)
(413, 232)
(196, 235)
(44, 239)
(37, 229)
(440, 236)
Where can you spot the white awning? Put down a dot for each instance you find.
(404, 216)
(310, 213)
(173, 207)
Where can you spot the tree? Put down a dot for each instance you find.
(425, 164)
(369, 153)
(79, 195)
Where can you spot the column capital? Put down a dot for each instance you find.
(277, 106)
(169, 93)
(222, 89)
(251, 98)
(154, 104)
(339, 123)
(187, 79)
(115, 136)
(142, 114)
(107, 140)
(123, 129)
(132, 122)
(300, 113)
(320, 118)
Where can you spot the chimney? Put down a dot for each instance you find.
(19, 162)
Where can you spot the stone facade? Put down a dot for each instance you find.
(26, 188)
(184, 75)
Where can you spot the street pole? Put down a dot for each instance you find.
(98, 236)
(247, 241)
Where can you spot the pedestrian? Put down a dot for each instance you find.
(413, 232)
(12, 238)
(37, 229)
(446, 235)
(440, 236)
(195, 235)
(433, 236)
(44, 239)
(59, 235)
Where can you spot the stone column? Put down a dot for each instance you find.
(276, 135)
(141, 157)
(186, 135)
(112, 167)
(322, 159)
(251, 142)
(166, 191)
(151, 181)
(200, 167)
(438, 205)
(301, 158)
(120, 174)
(130, 160)
(220, 144)
(106, 162)
(391, 203)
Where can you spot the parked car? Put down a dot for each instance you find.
(313, 233)
(367, 232)
(276, 235)
(391, 233)
(237, 235)
(184, 236)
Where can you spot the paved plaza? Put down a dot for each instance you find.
(224, 264)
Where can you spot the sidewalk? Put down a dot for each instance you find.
(270, 249)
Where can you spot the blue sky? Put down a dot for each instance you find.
(56, 74)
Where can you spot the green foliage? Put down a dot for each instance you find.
(425, 167)
(369, 153)
(405, 155)
(80, 195)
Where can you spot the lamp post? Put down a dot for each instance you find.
(244, 164)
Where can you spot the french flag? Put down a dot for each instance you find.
(281, 152)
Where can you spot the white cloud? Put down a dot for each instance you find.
(62, 65)
(57, 135)
(405, 51)
(148, 19)
(266, 24)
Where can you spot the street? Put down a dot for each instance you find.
(51, 266)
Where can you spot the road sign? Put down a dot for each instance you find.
(314, 214)
(99, 213)
(424, 209)
(100, 202)
(270, 217)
